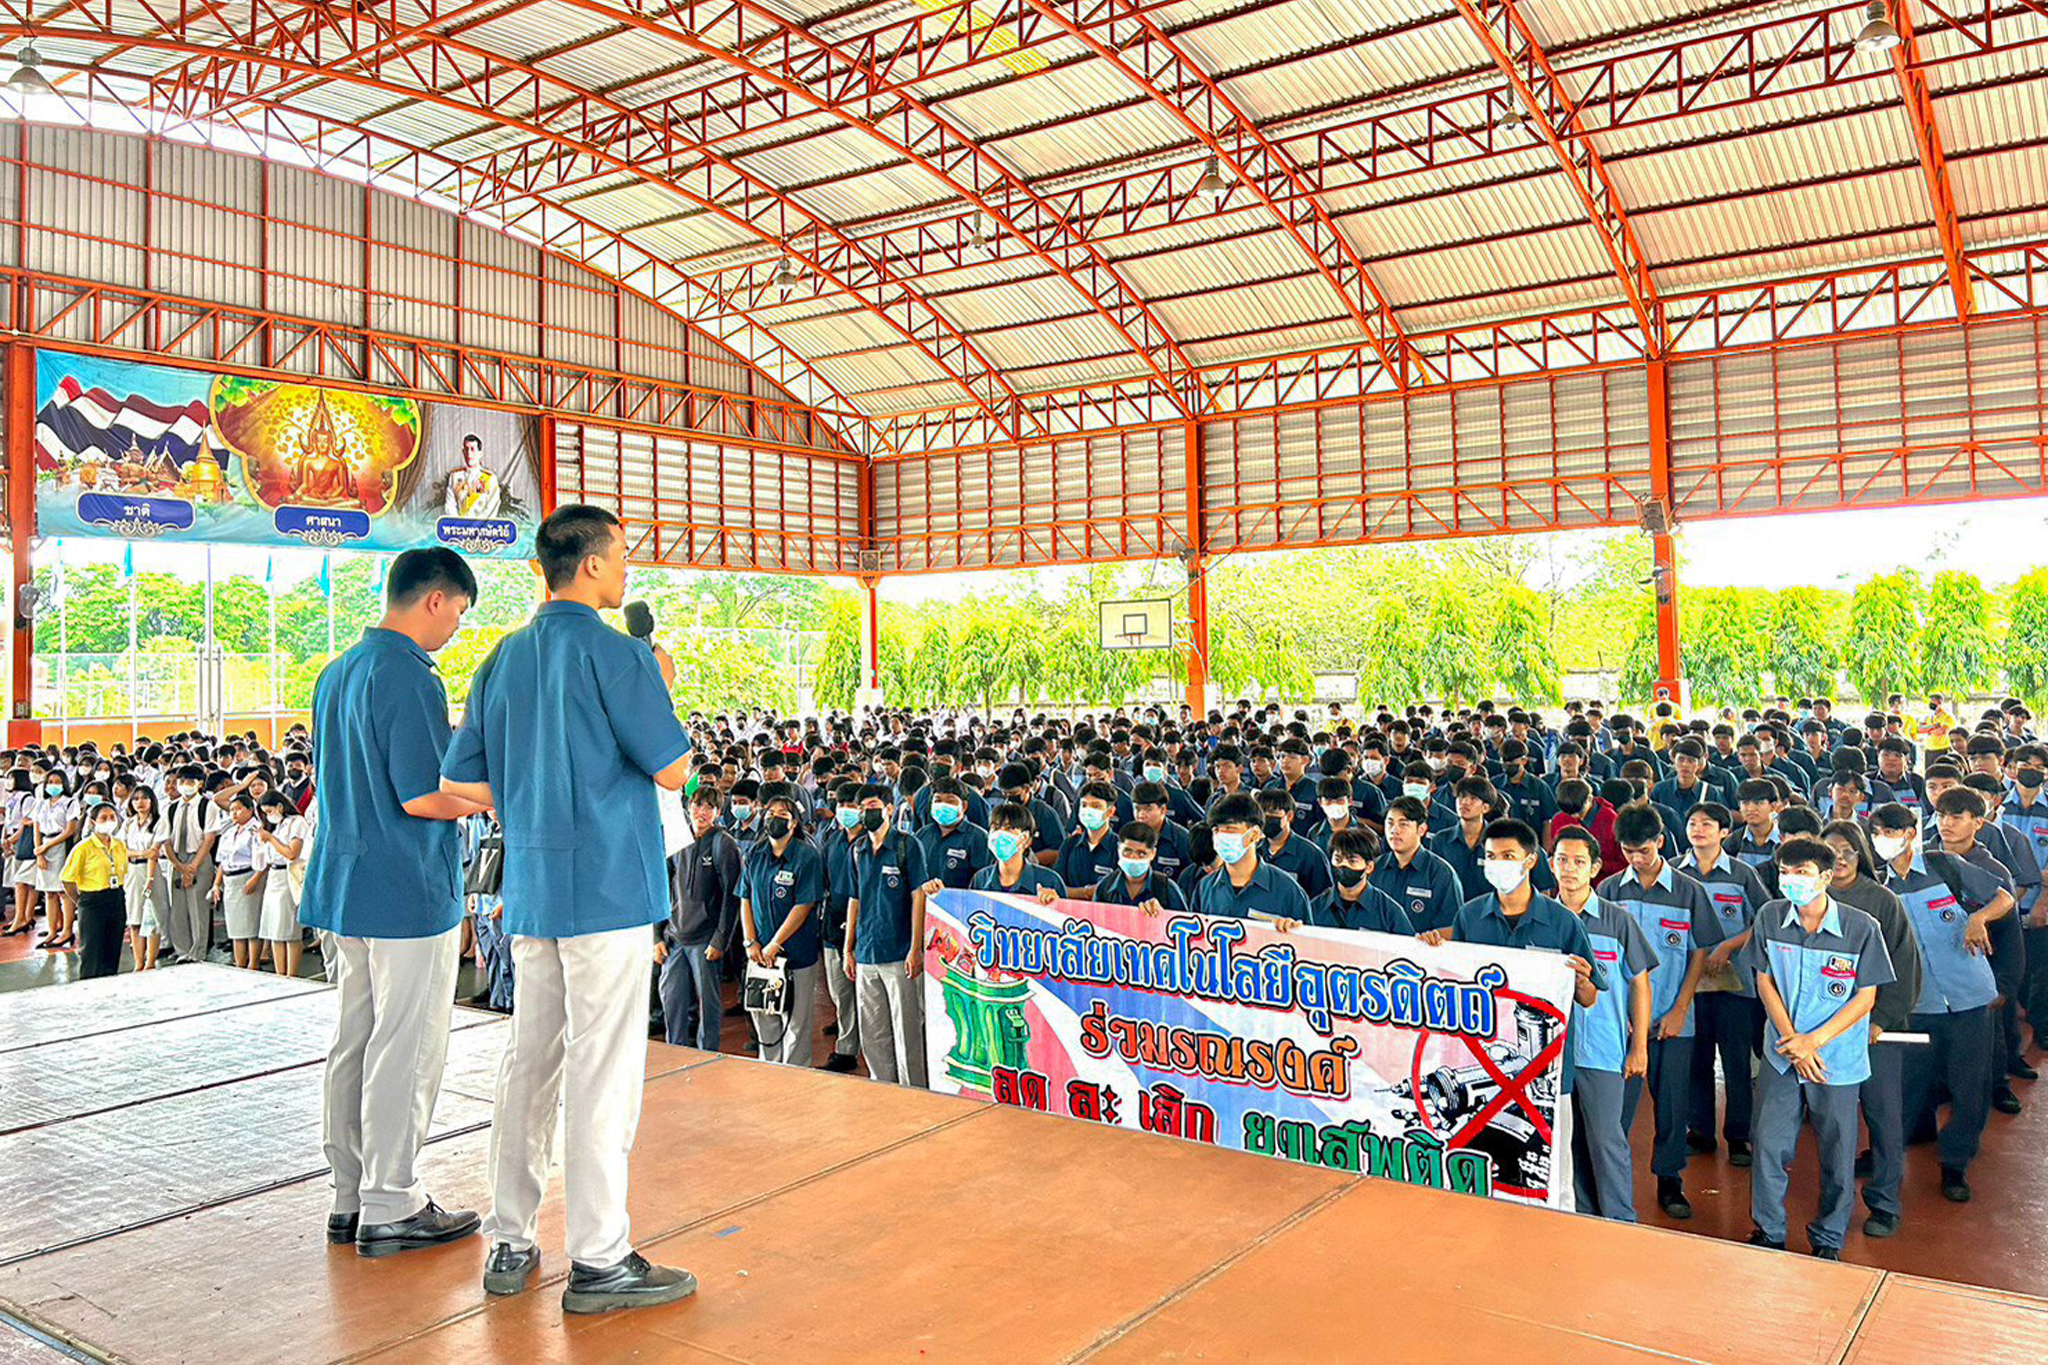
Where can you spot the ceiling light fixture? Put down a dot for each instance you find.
(1212, 183)
(1878, 35)
(786, 277)
(1512, 120)
(28, 77)
(979, 235)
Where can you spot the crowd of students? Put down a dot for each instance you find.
(144, 847)
(1833, 919)
(1839, 922)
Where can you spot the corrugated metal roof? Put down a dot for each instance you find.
(1788, 184)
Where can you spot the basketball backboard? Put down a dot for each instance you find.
(1146, 623)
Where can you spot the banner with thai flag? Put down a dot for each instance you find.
(1368, 1053)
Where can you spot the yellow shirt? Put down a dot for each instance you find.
(93, 866)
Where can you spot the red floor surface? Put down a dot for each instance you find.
(830, 1218)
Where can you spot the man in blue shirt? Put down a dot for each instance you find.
(1137, 878)
(1012, 869)
(1245, 887)
(1286, 850)
(384, 882)
(1420, 882)
(884, 947)
(836, 840)
(569, 729)
(1353, 902)
(1727, 1021)
(782, 884)
(955, 844)
(1817, 964)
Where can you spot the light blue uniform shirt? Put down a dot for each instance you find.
(380, 728)
(1816, 975)
(1677, 918)
(568, 721)
(1622, 952)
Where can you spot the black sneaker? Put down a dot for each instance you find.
(1738, 1152)
(508, 1271)
(1954, 1188)
(1698, 1143)
(1827, 1253)
(431, 1226)
(1671, 1198)
(1881, 1225)
(1757, 1239)
(838, 1061)
(2018, 1068)
(632, 1283)
(831, 1030)
(2004, 1101)
(341, 1227)
(1866, 1164)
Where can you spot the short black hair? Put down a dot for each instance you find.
(1638, 825)
(569, 536)
(1805, 848)
(1516, 830)
(415, 573)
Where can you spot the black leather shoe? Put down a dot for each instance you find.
(1738, 1152)
(2004, 1101)
(1671, 1198)
(508, 1271)
(1954, 1187)
(2019, 1068)
(1881, 1225)
(1827, 1253)
(838, 1061)
(1698, 1143)
(632, 1283)
(1757, 1239)
(831, 1030)
(341, 1227)
(430, 1227)
(1866, 1164)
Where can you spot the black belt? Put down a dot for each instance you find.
(236, 871)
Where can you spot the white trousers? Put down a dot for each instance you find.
(579, 1005)
(384, 1070)
(891, 1022)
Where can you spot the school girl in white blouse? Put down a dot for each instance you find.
(147, 886)
(283, 846)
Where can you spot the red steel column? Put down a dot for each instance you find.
(1198, 577)
(1664, 554)
(21, 523)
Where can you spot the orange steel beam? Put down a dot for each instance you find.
(1664, 553)
(21, 529)
(1555, 118)
(1919, 106)
(1198, 575)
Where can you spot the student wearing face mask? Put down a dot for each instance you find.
(1818, 964)
(955, 846)
(1353, 902)
(1245, 886)
(1013, 870)
(54, 820)
(782, 880)
(91, 879)
(837, 839)
(883, 947)
(281, 852)
(1090, 852)
(24, 790)
(238, 882)
(1137, 878)
(742, 812)
(194, 825)
(1286, 851)
(145, 890)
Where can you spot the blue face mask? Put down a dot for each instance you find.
(1155, 773)
(1005, 844)
(945, 817)
(741, 811)
(1231, 848)
(1137, 869)
(848, 817)
(1093, 818)
(92, 801)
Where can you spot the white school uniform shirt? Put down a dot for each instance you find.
(53, 813)
(239, 847)
(290, 828)
(188, 822)
(140, 838)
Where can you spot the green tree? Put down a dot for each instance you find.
(1448, 663)
(2026, 639)
(1518, 647)
(837, 676)
(1719, 647)
(1799, 648)
(1386, 670)
(1955, 641)
(1881, 650)
(1639, 660)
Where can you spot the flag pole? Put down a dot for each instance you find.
(134, 700)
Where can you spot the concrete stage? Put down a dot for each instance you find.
(162, 1196)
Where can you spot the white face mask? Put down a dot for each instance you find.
(1799, 888)
(1504, 876)
(1890, 846)
(1374, 767)
(105, 828)
(1336, 810)
(1418, 790)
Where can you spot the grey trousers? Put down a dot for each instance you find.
(1884, 1110)
(787, 1038)
(891, 1023)
(384, 1070)
(845, 1002)
(1603, 1167)
(189, 922)
(1782, 1099)
(1667, 1080)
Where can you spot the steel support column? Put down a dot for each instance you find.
(869, 693)
(1198, 577)
(1657, 520)
(21, 528)
(1933, 160)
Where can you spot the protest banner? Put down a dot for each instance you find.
(1436, 1066)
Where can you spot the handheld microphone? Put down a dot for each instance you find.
(640, 622)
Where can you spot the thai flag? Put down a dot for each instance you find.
(77, 420)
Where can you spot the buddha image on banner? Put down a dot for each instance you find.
(153, 451)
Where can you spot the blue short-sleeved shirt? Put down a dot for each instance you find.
(885, 883)
(1953, 979)
(1816, 975)
(1374, 911)
(1622, 952)
(1427, 888)
(568, 721)
(1679, 921)
(1546, 926)
(1080, 865)
(1270, 894)
(380, 729)
(1114, 889)
(1302, 860)
(1031, 877)
(955, 855)
(1737, 893)
(773, 886)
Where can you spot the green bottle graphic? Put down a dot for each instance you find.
(989, 1025)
